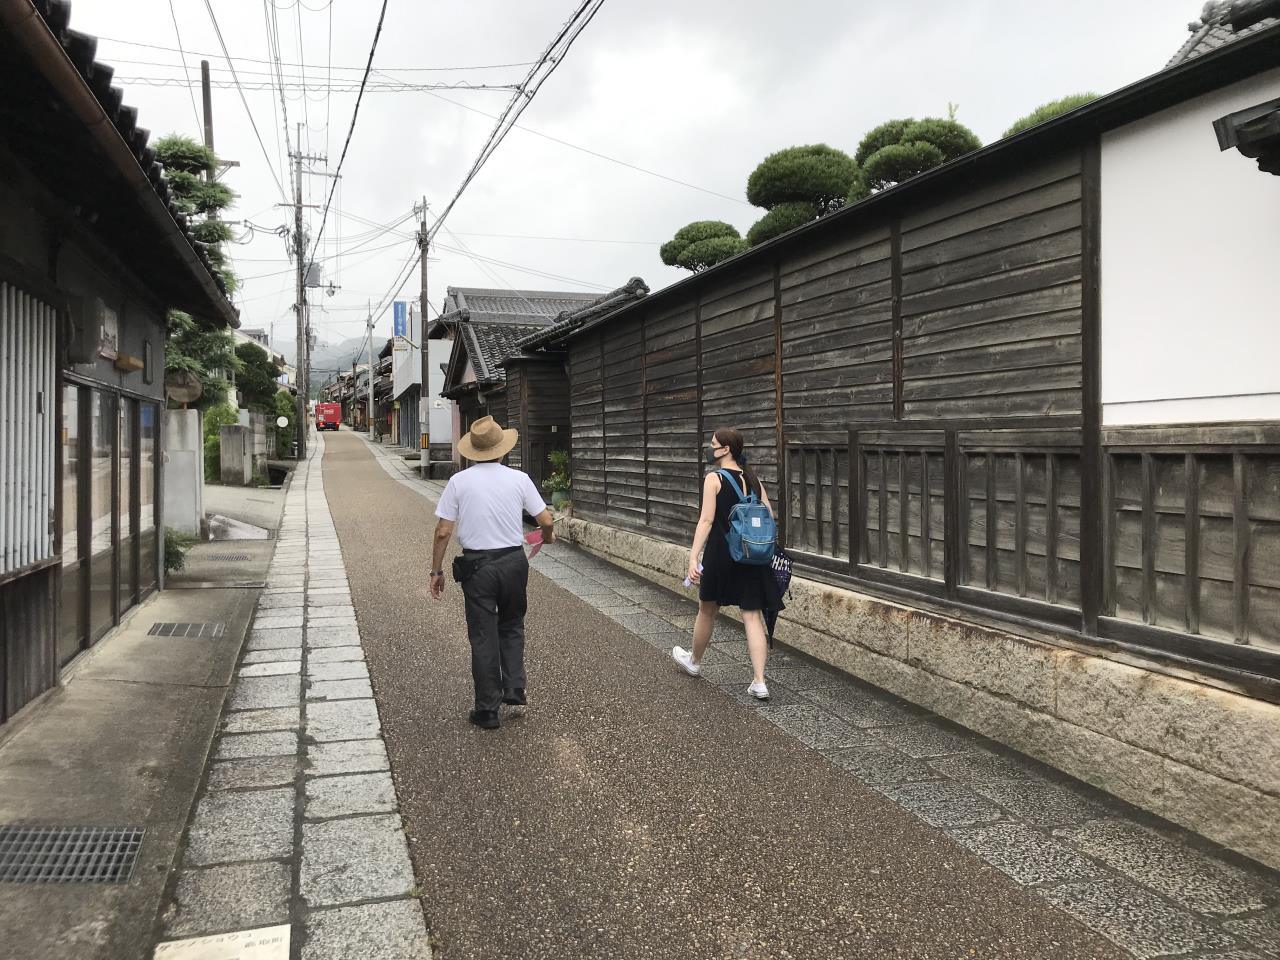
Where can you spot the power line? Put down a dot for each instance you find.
(190, 88)
(340, 86)
(355, 112)
(515, 266)
(524, 236)
(594, 153)
(218, 30)
(154, 46)
(551, 58)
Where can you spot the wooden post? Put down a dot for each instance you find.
(1093, 504)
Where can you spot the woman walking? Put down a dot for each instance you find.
(721, 581)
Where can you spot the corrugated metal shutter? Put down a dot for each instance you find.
(28, 371)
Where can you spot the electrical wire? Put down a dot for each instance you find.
(302, 65)
(218, 30)
(305, 90)
(355, 112)
(193, 53)
(551, 58)
(190, 89)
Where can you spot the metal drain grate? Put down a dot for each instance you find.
(192, 631)
(228, 558)
(68, 854)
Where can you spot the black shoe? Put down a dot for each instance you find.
(514, 698)
(485, 719)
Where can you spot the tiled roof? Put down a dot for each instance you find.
(488, 344)
(483, 305)
(82, 49)
(584, 315)
(1215, 27)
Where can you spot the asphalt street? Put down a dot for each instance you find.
(632, 812)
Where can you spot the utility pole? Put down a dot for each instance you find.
(424, 402)
(208, 107)
(302, 314)
(300, 302)
(369, 333)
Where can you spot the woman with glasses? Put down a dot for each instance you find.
(722, 581)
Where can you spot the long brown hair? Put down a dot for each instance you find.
(732, 438)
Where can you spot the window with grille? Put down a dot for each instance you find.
(28, 352)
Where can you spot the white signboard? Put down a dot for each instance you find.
(265, 943)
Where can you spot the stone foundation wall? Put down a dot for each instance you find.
(1199, 756)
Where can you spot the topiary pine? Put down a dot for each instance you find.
(920, 145)
(1047, 111)
(814, 173)
(901, 161)
(176, 152)
(700, 235)
(783, 217)
(858, 188)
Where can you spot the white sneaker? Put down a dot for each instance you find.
(759, 691)
(685, 658)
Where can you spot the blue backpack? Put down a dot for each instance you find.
(752, 532)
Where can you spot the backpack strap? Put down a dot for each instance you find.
(733, 482)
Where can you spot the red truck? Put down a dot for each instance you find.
(328, 416)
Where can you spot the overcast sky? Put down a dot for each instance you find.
(695, 91)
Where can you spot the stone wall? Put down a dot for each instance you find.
(1205, 758)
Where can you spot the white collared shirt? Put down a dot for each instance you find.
(488, 502)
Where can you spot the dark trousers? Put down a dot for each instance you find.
(495, 603)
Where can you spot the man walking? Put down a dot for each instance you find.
(486, 503)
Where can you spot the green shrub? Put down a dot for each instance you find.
(284, 435)
(813, 173)
(214, 419)
(702, 244)
(901, 161)
(176, 545)
(900, 149)
(878, 137)
(558, 480)
(1047, 111)
(783, 217)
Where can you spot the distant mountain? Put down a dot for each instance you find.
(328, 357)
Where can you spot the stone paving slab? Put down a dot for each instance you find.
(349, 756)
(335, 654)
(233, 897)
(1169, 867)
(339, 690)
(1026, 854)
(353, 859)
(252, 773)
(259, 721)
(349, 795)
(1136, 919)
(943, 803)
(388, 931)
(271, 668)
(259, 693)
(1039, 803)
(241, 826)
(343, 720)
(1261, 931)
(861, 709)
(332, 636)
(240, 745)
(925, 740)
(339, 670)
(816, 728)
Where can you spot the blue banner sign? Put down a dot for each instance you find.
(400, 318)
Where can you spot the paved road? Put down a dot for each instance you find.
(631, 812)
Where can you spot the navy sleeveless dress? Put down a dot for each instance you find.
(726, 582)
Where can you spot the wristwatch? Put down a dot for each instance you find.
(437, 573)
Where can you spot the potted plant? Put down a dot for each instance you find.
(557, 482)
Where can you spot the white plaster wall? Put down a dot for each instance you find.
(183, 470)
(1190, 269)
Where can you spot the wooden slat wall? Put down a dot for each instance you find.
(738, 378)
(28, 638)
(627, 502)
(837, 334)
(548, 404)
(586, 408)
(991, 299)
(672, 443)
(515, 378)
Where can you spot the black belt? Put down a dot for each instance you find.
(498, 552)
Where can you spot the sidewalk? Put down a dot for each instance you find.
(123, 744)
(636, 812)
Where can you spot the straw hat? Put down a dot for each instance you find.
(487, 441)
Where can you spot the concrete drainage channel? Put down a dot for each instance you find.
(296, 847)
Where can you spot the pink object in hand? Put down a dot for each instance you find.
(534, 537)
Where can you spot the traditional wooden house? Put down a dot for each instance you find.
(1021, 419)
(93, 253)
(537, 381)
(484, 326)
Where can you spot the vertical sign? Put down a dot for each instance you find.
(400, 313)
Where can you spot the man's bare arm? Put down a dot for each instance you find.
(548, 525)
